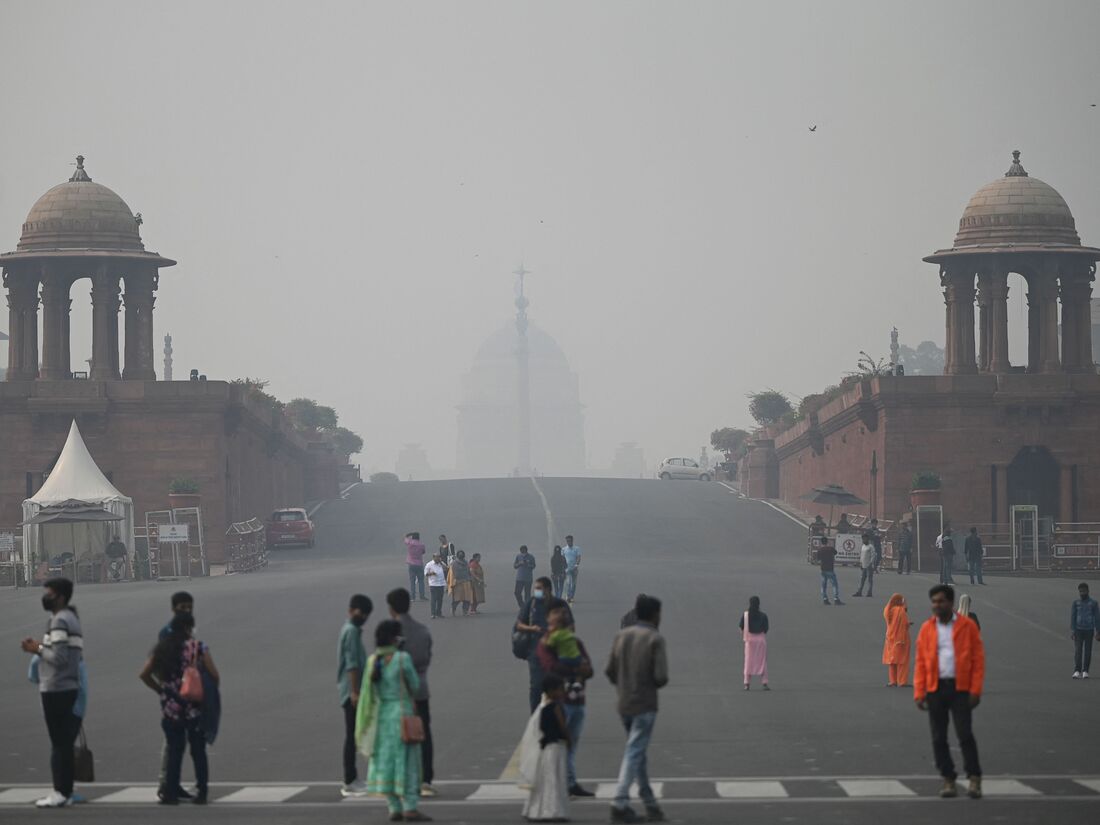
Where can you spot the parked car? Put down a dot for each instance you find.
(682, 468)
(290, 525)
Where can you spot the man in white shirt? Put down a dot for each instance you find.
(867, 566)
(572, 555)
(436, 574)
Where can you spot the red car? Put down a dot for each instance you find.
(290, 525)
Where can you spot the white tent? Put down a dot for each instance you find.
(75, 476)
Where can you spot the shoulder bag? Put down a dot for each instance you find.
(83, 762)
(191, 683)
(412, 726)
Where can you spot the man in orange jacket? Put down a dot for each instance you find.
(947, 682)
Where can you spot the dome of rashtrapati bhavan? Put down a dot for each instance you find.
(488, 412)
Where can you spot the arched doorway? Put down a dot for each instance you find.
(1033, 478)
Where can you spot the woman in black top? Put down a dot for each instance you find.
(754, 631)
(557, 570)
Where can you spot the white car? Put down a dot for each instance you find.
(672, 468)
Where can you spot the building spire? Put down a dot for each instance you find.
(80, 176)
(1016, 170)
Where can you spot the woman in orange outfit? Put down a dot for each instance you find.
(895, 651)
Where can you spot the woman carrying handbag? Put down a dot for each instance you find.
(387, 728)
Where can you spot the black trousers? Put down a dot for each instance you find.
(946, 704)
(425, 714)
(437, 600)
(905, 561)
(349, 742)
(63, 727)
(1082, 649)
(523, 593)
(178, 736)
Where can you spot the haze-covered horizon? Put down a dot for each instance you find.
(348, 186)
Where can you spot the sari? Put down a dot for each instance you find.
(477, 580)
(394, 770)
(896, 648)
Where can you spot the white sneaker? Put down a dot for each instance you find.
(355, 789)
(428, 790)
(1085, 674)
(55, 800)
(1076, 674)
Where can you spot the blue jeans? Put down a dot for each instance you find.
(558, 580)
(634, 768)
(974, 567)
(826, 577)
(178, 735)
(574, 723)
(571, 576)
(416, 574)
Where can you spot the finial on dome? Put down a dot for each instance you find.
(79, 175)
(1016, 170)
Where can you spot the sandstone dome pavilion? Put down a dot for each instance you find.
(998, 434)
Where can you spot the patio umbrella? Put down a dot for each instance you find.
(834, 495)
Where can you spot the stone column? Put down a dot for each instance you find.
(1049, 359)
(958, 293)
(105, 304)
(1034, 338)
(985, 319)
(1076, 294)
(139, 299)
(22, 324)
(56, 365)
(998, 294)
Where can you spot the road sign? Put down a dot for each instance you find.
(174, 533)
(7, 542)
(848, 546)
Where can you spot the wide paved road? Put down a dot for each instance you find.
(828, 721)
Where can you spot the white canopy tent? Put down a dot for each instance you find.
(75, 476)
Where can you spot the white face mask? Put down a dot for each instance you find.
(537, 594)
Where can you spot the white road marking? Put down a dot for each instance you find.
(1091, 784)
(263, 793)
(1007, 787)
(21, 796)
(606, 790)
(549, 516)
(497, 792)
(139, 794)
(751, 789)
(875, 787)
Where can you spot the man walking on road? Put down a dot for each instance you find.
(414, 558)
(947, 682)
(525, 573)
(1084, 622)
(974, 551)
(638, 668)
(437, 584)
(572, 555)
(418, 644)
(351, 661)
(905, 550)
(867, 566)
(826, 554)
(60, 652)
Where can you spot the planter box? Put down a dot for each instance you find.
(924, 498)
(178, 500)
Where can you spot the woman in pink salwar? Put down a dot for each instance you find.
(754, 630)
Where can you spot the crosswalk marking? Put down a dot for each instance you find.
(1007, 787)
(20, 796)
(1091, 784)
(606, 790)
(264, 793)
(139, 793)
(496, 793)
(751, 789)
(874, 787)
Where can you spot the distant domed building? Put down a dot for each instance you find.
(489, 410)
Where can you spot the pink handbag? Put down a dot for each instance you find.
(191, 683)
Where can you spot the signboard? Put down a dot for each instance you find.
(174, 533)
(7, 542)
(848, 546)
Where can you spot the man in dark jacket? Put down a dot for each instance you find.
(1084, 622)
(974, 551)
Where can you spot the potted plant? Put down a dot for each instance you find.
(183, 492)
(925, 489)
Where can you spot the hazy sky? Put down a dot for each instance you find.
(347, 186)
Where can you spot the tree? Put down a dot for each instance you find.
(307, 414)
(384, 478)
(868, 367)
(926, 359)
(729, 440)
(346, 442)
(768, 407)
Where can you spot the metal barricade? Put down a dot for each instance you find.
(245, 546)
(1076, 546)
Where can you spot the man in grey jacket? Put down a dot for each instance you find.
(61, 652)
(638, 668)
(418, 644)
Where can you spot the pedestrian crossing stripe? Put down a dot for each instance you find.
(672, 790)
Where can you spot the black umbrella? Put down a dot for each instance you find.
(834, 495)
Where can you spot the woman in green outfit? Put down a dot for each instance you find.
(384, 699)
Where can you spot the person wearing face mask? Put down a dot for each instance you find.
(351, 661)
(533, 619)
(61, 653)
(183, 604)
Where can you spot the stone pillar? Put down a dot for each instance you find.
(1076, 294)
(105, 305)
(998, 294)
(985, 320)
(958, 283)
(1002, 494)
(1065, 493)
(56, 363)
(1034, 338)
(1049, 359)
(22, 325)
(139, 299)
